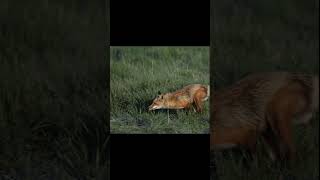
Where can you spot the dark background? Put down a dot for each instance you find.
(53, 90)
(254, 36)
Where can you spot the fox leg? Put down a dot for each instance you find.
(281, 143)
(271, 140)
(199, 108)
(278, 136)
(198, 104)
(287, 149)
(192, 106)
(287, 102)
(198, 100)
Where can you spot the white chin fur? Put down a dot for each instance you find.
(156, 107)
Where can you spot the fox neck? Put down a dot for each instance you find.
(168, 100)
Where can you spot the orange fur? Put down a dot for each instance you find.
(264, 104)
(190, 96)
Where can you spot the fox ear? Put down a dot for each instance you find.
(159, 92)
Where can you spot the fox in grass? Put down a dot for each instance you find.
(191, 96)
(263, 105)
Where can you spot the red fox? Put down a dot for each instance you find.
(263, 105)
(190, 96)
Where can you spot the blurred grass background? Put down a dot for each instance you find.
(138, 73)
(266, 35)
(53, 90)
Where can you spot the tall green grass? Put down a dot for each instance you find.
(138, 73)
(306, 166)
(53, 122)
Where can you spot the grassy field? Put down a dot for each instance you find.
(256, 36)
(230, 166)
(53, 89)
(138, 73)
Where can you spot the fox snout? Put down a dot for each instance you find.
(155, 106)
(150, 108)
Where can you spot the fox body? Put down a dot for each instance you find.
(190, 96)
(263, 105)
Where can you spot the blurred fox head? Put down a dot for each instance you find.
(157, 103)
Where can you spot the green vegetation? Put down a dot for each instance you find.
(53, 89)
(230, 165)
(255, 36)
(138, 73)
